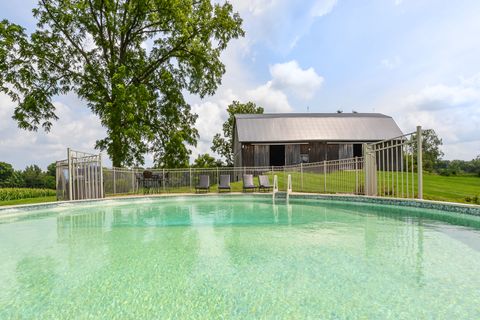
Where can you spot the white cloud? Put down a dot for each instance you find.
(302, 82)
(287, 77)
(398, 2)
(391, 63)
(270, 98)
(453, 111)
(279, 23)
(323, 7)
(73, 129)
(211, 116)
(442, 96)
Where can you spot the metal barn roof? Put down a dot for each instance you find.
(289, 127)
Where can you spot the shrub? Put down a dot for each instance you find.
(475, 199)
(24, 193)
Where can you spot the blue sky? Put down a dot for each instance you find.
(417, 61)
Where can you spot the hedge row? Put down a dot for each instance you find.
(24, 193)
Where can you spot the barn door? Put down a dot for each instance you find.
(261, 155)
(292, 154)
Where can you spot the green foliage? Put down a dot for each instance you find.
(206, 161)
(431, 153)
(52, 169)
(31, 177)
(96, 49)
(223, 145)
(475, 199)
(458, 167)
(15, 181)
(24, 193)
(6, 171)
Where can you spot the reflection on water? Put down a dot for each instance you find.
(240, 259)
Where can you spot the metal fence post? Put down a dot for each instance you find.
(301, 176)
(370, 168)
(190, 178)
(70, 175)
(356, 175)
(324, 176)
(163, 180)
(419, 162)
(102, 192)
(133, 180)
(114, 182)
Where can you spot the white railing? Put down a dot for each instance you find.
(289, 186)
(390, 168)
(275, 186)
(80, 176)
(393, 167)
(336, 176)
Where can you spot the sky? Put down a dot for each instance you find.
(415, 60)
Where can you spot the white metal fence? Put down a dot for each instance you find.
(79, 176)
(393, 168)
(390, 168)
(337, 176)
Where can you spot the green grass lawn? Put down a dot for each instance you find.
(28, 201)
(452, 188)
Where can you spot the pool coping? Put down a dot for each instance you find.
(417, 203)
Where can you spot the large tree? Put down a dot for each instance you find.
(206, 161)
(431, 152)
(223, 144)
(131, 61)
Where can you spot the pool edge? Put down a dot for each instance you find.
(417, 203)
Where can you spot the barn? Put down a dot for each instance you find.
(292, 138)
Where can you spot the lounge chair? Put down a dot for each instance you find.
(203, 184)
(248, 182)
(224, 183)
(148, 182)
(264, 183)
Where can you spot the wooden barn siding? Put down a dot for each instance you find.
(318, 151)
(332, 151)
(247, 155)
(237, 150)
(345, 151)
(292, 154)
(261, 155)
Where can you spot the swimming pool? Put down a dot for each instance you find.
(239, 257)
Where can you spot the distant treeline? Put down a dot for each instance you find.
(31, 177)
(458, 167)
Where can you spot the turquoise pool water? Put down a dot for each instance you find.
(239, 257)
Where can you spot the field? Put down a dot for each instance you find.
(28, 201)
(14, 196)
(452, 188)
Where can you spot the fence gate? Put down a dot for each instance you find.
(393, 167)
(80, 176)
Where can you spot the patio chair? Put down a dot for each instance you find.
(139, 180)
(148, 183)
(224, 183)
(264, 183)
(203, 184)
(248, 182)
